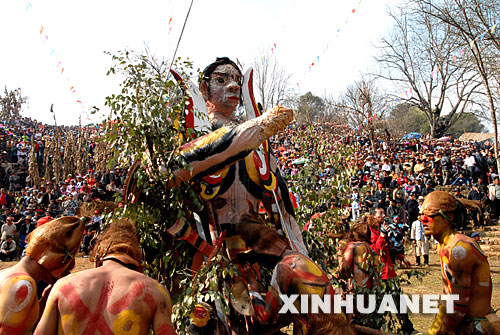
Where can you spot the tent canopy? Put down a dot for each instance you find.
(410, 136)
(477, 137)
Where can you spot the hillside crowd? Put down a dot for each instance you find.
(396, 177)
(25, 206)
(398, 174)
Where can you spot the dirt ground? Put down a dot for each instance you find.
(80, 264)
(431, 284)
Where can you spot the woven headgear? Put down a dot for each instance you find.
(439, 202)
(119, 241)
(54, 244)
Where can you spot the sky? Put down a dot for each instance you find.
(42, 37)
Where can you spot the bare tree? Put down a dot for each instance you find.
(471, 21)
(418, 58)
(271, 81)
(336, 113)
(363, 104)
(11, 103)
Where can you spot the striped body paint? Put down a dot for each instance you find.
(297, 274)
(125, 306)
(126, 321)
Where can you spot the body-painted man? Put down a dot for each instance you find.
(293, 273)
(114, 298)
(49, 255)
(356, 256)
(244, 175)
(229, 170)
(464, 268)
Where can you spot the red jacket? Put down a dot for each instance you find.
(378, 244)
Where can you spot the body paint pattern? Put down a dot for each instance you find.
(126, 322)
(464, 271)
(18, 304)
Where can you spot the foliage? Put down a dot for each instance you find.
(321, 192)
(206, 286)
(468, 122)
(148, 124)
(405, 118)
(310, 108)
(327, 194)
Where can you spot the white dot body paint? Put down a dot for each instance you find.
(459, 253)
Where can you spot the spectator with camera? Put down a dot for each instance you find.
(380, 229)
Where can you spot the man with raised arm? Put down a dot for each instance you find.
(231, 169)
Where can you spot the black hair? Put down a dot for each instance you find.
(205, 76)
(218, 61)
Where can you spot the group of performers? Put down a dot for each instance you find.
(236, 173)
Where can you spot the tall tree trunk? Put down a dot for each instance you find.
(484, 76)
(372, 139)
(493, 119)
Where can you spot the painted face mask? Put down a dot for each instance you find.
(225, 86)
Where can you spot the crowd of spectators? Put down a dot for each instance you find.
(399, 174)
(395, 177)
(25, 206)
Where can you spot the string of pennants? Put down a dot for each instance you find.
(315, 62)
(59, 64)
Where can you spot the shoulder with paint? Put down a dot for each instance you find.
(18, 297)
(464, 254)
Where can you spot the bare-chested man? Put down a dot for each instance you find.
(354, 252)
(49, 255)
(464, 267)
(293, 273)
(114, 298)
